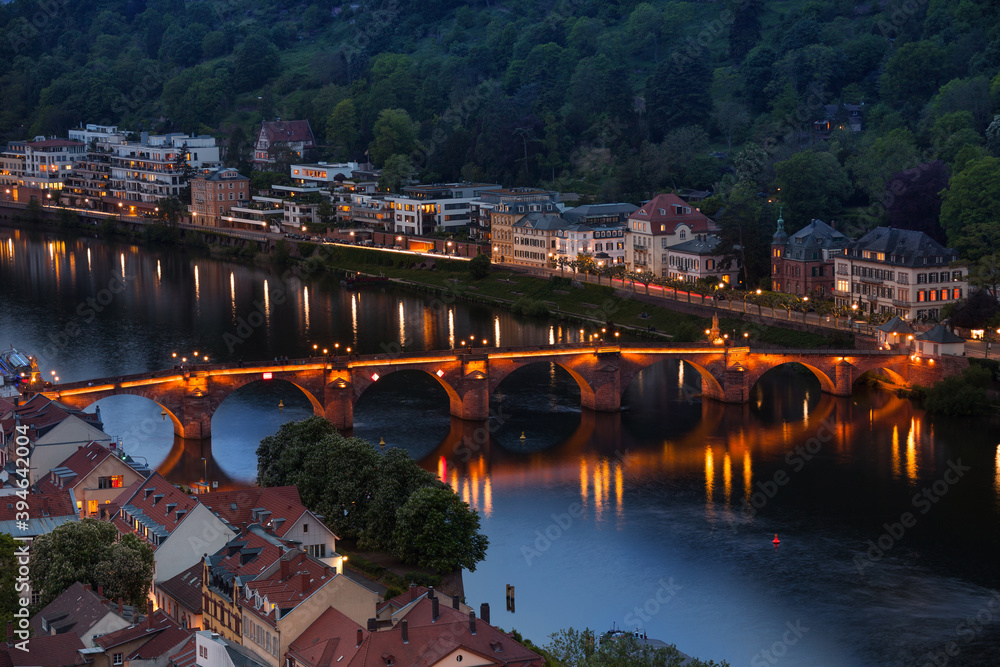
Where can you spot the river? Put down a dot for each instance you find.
(659, 518)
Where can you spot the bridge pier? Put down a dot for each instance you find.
(736, 384)
(843, 384)
(474, 404)
(339, 404)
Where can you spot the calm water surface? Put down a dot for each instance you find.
(659, 518)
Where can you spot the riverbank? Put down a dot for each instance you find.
(585, 305)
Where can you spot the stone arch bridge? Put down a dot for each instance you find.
(190, 395)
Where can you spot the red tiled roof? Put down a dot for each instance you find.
(6, 406)
(236, 507)
(430, 641)
(233, 555)
(160, 622)
(152, 496)
(185, 588)
(288, 131)
(83, 462)
(46, 651)
(75, 611)
(185, 656)
(329, 640)
(43, 413)
(55, 503)
(163, 643)
(660, 211)
(290, 583)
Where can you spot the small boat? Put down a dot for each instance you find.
(16, 368)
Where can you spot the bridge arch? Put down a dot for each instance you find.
(827, 384)
(892, 374)
(362, 386)
(711, 387)
(236, 385)
(589, 397)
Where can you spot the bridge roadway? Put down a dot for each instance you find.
(191, 394)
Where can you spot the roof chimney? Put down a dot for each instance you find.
(121, 608)
(361, 637)
(484, 612)
(430, 592)
(100, 589)
(454, 602)
(434, 610)
(404, 630)
(372, 626)
(472, 621)
(284, 569)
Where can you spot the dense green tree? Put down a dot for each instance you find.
(677, 94)
(342, 129)
(970, 95)
(479, 266)
(257, 60)
(437, 529)
(397, 476)
(744, 31)
(395, 133)
(970, 209)
(913, 72)
(962, 395)
(90, 552)
(811, 185)
(880, 158)
(396, 172)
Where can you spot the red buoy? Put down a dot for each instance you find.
(775, 541)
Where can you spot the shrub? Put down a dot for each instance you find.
(960, 395)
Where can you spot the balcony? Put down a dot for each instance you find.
(902, 304)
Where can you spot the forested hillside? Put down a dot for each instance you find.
(614, 100)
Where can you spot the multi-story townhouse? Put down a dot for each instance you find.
(96, 475)
(510, 206)
(699, 259)
(423, 209)
(294, 135)
(664, 221)
(899, 271)
(802, 264)
(48, 162)
(214, 194)
(12, 163)
(535, 239)
(154, 168)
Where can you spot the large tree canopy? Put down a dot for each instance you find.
(436, 528)
(811, 184)
(970, 209)
(89, 552)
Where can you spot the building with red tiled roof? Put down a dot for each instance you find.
(186, 655)
(55, 431)
(96, 475)
(45, 651)
(286, 598)
(46, 512)
(424, 630)
(155, 638)
(225, 573)
(280, 511)
(295, 135)
(82, 612)
(179, 528)
(664, 221)
(180, 596)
